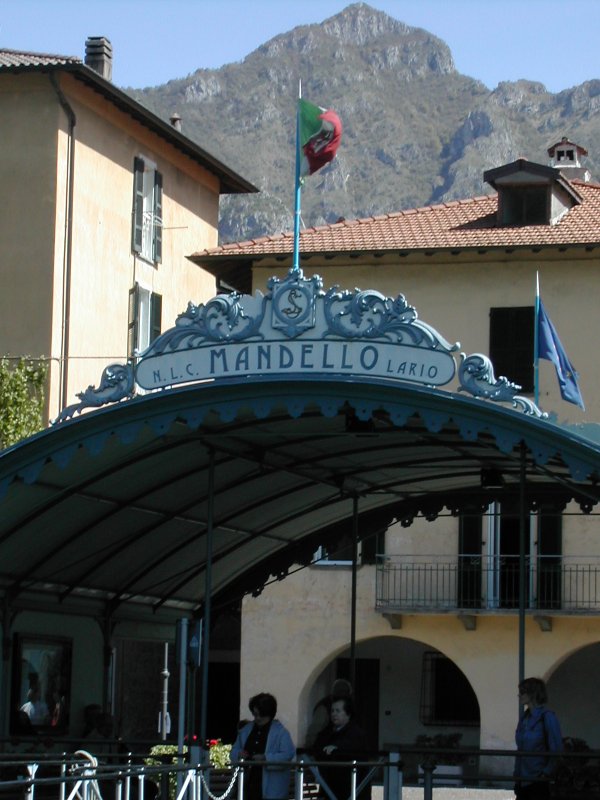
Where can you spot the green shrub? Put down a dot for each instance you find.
(22, 398)
(220, 754)
(167, 754)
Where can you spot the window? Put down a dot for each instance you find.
(469, 586)
(373, 545)
(549, 577)
(524, 205)
(567, 154)
(511, 344)
(147, 210)
(503, 548)
(340, 553)
(446, 695)
(145, 312)
(488, 558)
(41, 684)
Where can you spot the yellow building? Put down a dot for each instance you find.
(107, 518)
(102, 201)
(437, 592)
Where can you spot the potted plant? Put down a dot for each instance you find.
(219, 761)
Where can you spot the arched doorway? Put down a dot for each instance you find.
(573, 695)
(405, 689)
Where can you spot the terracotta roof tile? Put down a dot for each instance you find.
(16, 58)
(454, 225)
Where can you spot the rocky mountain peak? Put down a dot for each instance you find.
(360, 24)
(385, 41)
(415, 130)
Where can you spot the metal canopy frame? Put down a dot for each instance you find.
(159, 507)
(109, 512)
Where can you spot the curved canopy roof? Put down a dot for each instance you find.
(109, 513)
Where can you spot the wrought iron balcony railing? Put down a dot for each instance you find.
(470, 582)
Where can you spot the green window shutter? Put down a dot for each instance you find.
(550, 534)
(157, 227)
(470, 533)
(155, 316)
(138, 205)
(132, 327)
(373, 546)
(469, 575)
(511, 344)
(549, 571)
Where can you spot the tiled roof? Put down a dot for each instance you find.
(15, 58)
(455, 225)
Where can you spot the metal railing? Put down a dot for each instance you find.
(81, 777)
(469, 582)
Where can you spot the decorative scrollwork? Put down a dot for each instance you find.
(371, 315)
(298, 327)
(222, 319)
(527, 406)
(476, 376)
(116, 383)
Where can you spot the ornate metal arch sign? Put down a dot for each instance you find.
(298, 330)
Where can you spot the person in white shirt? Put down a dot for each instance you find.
(35, 708)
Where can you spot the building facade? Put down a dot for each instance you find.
(437, 599)
(102, 203)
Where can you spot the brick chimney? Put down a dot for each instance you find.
(98, 56)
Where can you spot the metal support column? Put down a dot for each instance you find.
(207, 597)
(107, 663)
(6, 659)
(522, 563)
(392, 778)
(181, 717)
(353, 599)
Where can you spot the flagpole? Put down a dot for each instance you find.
(536, 343)
(298, 185)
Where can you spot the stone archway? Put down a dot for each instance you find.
(405, 682)
(573, 695)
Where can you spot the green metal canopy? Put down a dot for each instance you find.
(108, 513)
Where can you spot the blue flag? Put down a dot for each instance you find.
(550, 347)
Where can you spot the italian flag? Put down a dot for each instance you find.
(320, 134)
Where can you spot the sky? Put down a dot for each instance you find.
(154, 41)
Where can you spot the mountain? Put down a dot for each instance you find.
(415, 130)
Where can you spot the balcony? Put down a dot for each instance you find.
(475, 584)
